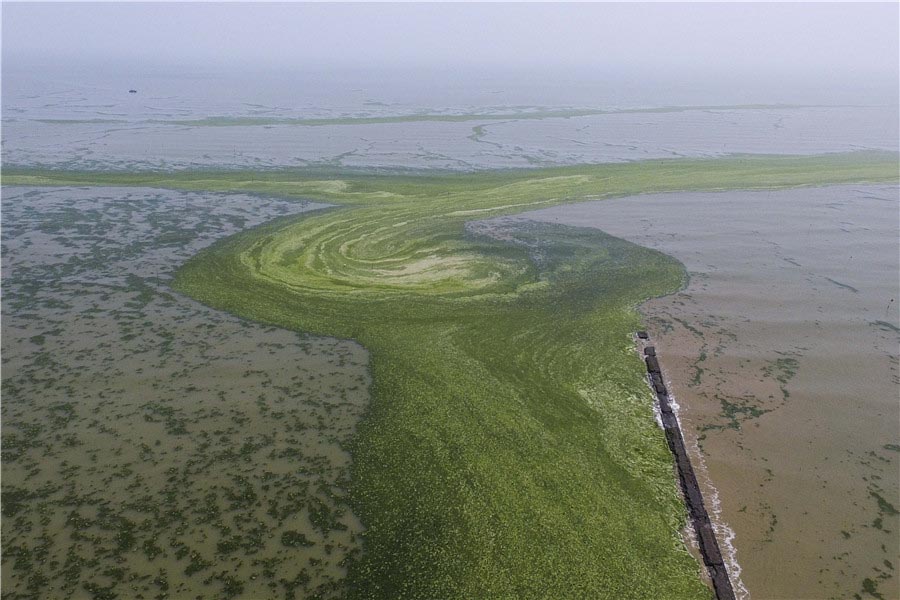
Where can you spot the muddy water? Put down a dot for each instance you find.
(153, 447)
(782, 352)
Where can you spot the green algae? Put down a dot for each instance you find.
(533, 113)
(510, 448)
(522, 113)
(363, 186)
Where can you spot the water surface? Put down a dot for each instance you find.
(87, 121)
(782, 353)
(153, 447)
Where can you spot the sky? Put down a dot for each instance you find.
(819, 40)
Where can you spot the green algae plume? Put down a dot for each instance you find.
(510, 449)
(519, 113)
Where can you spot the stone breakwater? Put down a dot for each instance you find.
(693, 498)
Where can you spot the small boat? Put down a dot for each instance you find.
(132, 91)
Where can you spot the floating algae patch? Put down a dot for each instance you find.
(501, 459)
(153, 447)
(510, 449)
(532, 113)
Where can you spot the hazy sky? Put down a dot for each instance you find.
(825, 40)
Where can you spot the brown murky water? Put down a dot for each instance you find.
(783, 355)
(153, 447)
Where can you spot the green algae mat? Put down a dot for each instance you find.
(510, 449)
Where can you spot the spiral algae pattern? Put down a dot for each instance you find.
(375, 252)
(510, 449)
(483, 468)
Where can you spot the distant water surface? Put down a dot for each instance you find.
(83, 120)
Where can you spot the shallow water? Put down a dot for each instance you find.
(152, 445)
(475, 144)
(80, 121)
(782, 353)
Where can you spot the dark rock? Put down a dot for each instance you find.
(709, 544)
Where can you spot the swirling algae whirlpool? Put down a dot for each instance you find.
(505, 401)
